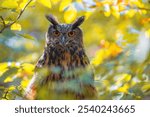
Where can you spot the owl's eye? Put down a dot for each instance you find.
(71, 33)
(56, 33)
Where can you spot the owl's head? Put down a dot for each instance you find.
(67, 36)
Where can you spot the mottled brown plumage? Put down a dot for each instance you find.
(63, 71)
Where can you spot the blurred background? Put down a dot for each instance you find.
(116, 39)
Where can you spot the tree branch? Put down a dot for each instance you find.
(5, 95)
(2, 20)
(18, 17)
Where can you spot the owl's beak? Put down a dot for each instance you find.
(63, 41)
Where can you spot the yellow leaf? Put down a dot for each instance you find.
(104, 44)
(8, 79)
(107, 50)
(146, 87)
(124, 88)
(55, 1)
(6, 21)
(98, 4)
(121, 7)
(28, 68)
(144, 12)
(123, 78)
(64, 4)
(3, 66)
(70, 14)
(101, 55)
(46, 3)
(27, 36)
(22, 3)
(88, 14)
(24, 83)
(137, 3)
(9, 4)
(130, 13)
(107, 13)
(11, 88)
(147, 33)
(115, 49)
(115, 12)
(16, 26)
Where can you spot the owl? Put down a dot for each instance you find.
(63, 71)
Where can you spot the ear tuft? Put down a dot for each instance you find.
(52, 19)
(78, 22)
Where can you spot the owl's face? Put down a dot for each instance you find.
(64, 36)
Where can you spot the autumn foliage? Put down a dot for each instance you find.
(116, 38)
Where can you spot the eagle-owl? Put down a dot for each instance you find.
(63, 71)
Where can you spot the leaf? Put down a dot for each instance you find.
(115, 49)
(64, 4)
(70, 14)
(130, 13)
(27, 36)
(124, 88)
(147, 33)
(55, 1)
(7, 73)
(88, 14)
(122, 78)
(45, 3)
(25, 82)
(115, 12)
(145, 20)
(107, 12)
(16, 26)
(9, 4)
(22, 3)
(11, 88)
(101, 55)
(146, 87)
(8, 79)
(108, 50)
(28, 68)
(3, 68)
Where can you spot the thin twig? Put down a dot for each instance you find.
(3, 21)
(5, 95)
(20, 14)
(4, 25)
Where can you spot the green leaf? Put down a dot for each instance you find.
(27, 36)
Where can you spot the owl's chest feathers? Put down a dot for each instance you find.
(66, 62)
(65, 59)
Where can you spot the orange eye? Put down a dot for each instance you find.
(56, 33)
(71, 33)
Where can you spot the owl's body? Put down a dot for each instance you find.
(62, 71)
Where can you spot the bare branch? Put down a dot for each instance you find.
(18, 17)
